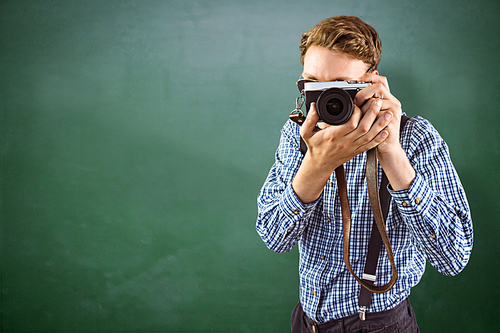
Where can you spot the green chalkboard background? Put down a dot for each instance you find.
(135, 136)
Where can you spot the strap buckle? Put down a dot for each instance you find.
(362, 313)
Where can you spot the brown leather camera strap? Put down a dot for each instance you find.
(372, 183)
(379, 219)
(379, 232)
(370, 271)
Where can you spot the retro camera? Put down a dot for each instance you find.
(334, 100)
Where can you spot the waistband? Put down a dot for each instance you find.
(372, 319)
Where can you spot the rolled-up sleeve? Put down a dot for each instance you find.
(435, 207)
(282, 217)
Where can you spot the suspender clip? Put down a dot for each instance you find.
(362, 313)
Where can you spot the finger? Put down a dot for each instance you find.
(387, 105)
(375, 79)
(378, 139)
(373, 105)
(378, 133)
(372, 124)
(352, 123)
(373, 91)
(309, 124)
(394, 108)
(370, 113)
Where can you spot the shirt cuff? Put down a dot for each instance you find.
(414, 203)
(294, 210)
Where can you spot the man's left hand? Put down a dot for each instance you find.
(380, 90)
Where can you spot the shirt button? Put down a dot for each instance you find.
(314, 292)
(308, 211)
(296, 212)
(323, 257)
(329, 220)
(417, 201)
(330, 184)
(405, 204)
(432, 236)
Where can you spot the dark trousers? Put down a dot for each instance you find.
(400, 319)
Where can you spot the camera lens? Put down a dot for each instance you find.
(334, 106)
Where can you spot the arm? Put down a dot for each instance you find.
(390, 154)
(282, 217)
(424, 184)
(435, 207)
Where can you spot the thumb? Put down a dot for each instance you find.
(309, 125)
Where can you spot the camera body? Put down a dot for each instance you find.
(334, 100)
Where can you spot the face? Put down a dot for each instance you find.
(322, 64)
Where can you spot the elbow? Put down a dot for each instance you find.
(457, 264)
(454, 269)
(273, 244)
(456, 256)
(463, 259)
(278, 248)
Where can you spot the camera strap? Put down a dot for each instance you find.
(372, 182)
(379, 232)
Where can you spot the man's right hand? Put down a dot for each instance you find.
(333, 146)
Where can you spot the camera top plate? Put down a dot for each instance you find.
(312, 86)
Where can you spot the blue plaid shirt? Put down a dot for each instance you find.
(429, 221)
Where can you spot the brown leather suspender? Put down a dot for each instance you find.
(374, 245)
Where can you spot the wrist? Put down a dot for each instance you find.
(310, 180)
(397, 167)
(394, 152)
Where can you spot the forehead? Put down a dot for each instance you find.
(322, 64)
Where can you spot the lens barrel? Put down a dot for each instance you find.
(334, 106)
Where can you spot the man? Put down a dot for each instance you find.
(428, 219)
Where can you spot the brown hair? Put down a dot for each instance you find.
(347, 34)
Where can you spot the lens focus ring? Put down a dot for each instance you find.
(334, 106)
